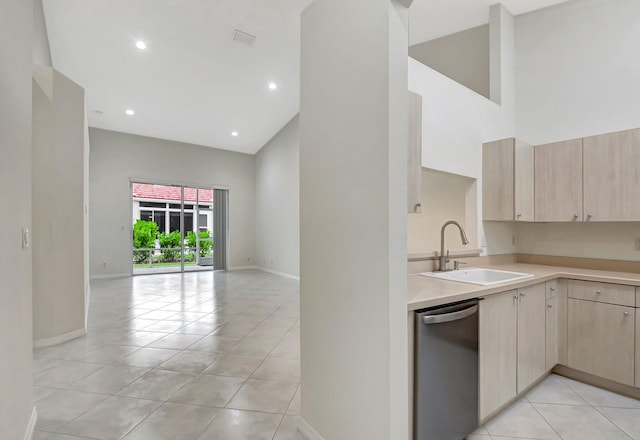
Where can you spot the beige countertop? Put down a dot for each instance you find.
(429, 292)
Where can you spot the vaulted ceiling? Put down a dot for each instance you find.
(194, 83)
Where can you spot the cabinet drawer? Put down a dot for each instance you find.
(602, 292)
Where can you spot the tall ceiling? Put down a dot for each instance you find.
(432, 19)
(195, 84)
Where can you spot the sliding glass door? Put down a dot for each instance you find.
(174, 228)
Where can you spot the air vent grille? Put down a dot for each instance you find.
(243, 37)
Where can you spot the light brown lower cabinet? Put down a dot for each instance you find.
(497, 347)
(551, 323)
(531, 335)
(637, 348)
(601, 340)
(512, 345)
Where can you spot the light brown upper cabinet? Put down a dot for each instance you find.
(507, 180)
(558, 181)
(415, 153)
(612, 176)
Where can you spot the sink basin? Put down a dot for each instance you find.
(479, 276)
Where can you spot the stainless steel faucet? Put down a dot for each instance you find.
(444, 258)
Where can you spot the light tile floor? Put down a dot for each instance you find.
(202, 357)
(561, 408)
(182, 357)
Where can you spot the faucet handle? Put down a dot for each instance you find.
(457, 263)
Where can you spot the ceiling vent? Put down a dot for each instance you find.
(243, 37)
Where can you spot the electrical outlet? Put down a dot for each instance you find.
(638, 244)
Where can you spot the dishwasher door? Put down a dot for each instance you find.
(446, 372)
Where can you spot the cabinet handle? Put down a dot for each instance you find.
(515, 296)
(519, 215)
(552, 289)
(549, 306)
(522, 294)
(626, 314)
(575, 215)
(598, 292)
(589, 215)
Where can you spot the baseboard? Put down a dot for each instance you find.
(307, 431)
(242, 267)
(609, 385)
(28, 434)
(109, 276)
(39, 343)
(282, 274)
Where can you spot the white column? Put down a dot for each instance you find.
(353, 160)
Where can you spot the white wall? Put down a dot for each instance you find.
(118, 157)
(445, 197)
(278, 202)
(41, 50)
(353, 174)
(58, 171)
(16, 398)
(577, 70)
(463, 57)
(457, 121)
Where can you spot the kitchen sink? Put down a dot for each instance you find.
(479, 276)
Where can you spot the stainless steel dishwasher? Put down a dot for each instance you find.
(446, 371)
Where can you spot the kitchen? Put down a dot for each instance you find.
(559, 79)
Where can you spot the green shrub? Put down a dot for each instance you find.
(205, 246)
(167, 241)
(144, 236)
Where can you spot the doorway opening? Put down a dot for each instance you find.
(178, 228)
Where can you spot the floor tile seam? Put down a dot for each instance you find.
(564, 383)
(546, 421)
(613, 422)
(278, 427)
(292, 397)
(560, 404)
(256, 411)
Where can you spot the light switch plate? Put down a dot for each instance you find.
(25, 238)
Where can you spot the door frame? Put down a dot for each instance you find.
(183, 184)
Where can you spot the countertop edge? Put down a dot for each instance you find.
(476, 291)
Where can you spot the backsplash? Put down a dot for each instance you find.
(606, 240)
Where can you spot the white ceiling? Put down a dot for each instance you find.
(431, 19)
(193, 83)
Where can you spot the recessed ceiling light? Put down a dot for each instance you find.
(272, 86)
(130, 112)
(234, 133)
(141, 45)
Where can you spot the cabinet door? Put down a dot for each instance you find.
(612, 176)
(497, 180)
(637, 349)
(524, 204)
(551, 333)
(558, 181)
(531, 335)
(597, 328)
(415, 154)
(497, 346)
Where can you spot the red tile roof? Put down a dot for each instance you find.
(171, 193)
